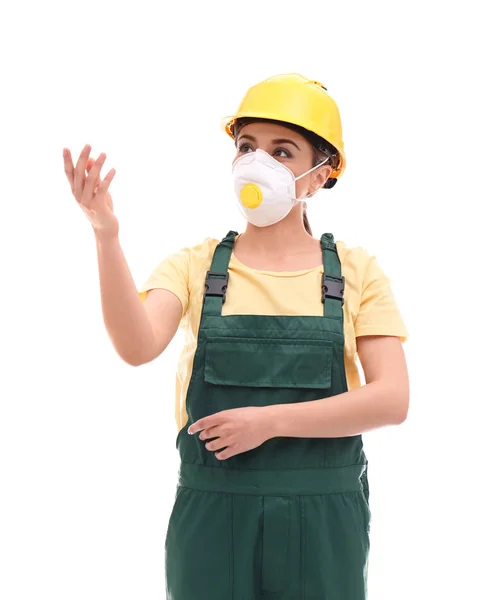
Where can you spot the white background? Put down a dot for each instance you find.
(87, 456)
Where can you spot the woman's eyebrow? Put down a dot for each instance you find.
(247, 136)
(284, 141)
(277, 141)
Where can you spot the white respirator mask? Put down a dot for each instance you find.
(264, 187)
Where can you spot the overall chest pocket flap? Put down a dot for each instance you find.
(269, 363)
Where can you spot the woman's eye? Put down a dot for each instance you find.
(244, 147)
(286, 153)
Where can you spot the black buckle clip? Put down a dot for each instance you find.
(215, 286)
(334, 288)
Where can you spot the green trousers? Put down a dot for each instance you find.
(288, 520)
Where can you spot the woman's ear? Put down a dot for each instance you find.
(318, 179)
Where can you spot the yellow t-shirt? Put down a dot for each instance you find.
(369, 305)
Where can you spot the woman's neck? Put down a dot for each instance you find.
(286, 238)
(280, 247)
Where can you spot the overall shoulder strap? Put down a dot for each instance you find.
(333, 282)
(217, 277)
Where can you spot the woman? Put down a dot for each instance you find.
(272, 496)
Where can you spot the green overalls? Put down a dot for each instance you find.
(288, 520)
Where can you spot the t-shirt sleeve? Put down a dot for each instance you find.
(172, 274)
(378, 313)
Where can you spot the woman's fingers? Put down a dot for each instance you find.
(68, 166)
(102, 188)
(90, 163)
(218, 444)
(92, 180)
(70, 171)
(211, 432)
(218, 436)
(90, 191)
(80, 172)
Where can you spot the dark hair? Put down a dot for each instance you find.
(322, 148)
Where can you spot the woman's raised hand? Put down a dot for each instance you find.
(90, 191)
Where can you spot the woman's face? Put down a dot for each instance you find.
(289, 148)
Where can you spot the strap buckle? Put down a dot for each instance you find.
(215, 286)
(333, 288)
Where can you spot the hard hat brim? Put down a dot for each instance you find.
(227, 125)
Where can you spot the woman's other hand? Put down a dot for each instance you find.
(90, 191)
(237, 430)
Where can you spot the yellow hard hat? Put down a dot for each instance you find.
(292, 98)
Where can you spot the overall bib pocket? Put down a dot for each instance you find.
(258, 362)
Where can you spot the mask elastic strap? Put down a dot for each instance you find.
(310, 170)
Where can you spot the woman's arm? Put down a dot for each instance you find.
(382, 401)
(139, 331)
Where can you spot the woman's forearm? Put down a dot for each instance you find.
(124, 315)
(376, 404)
